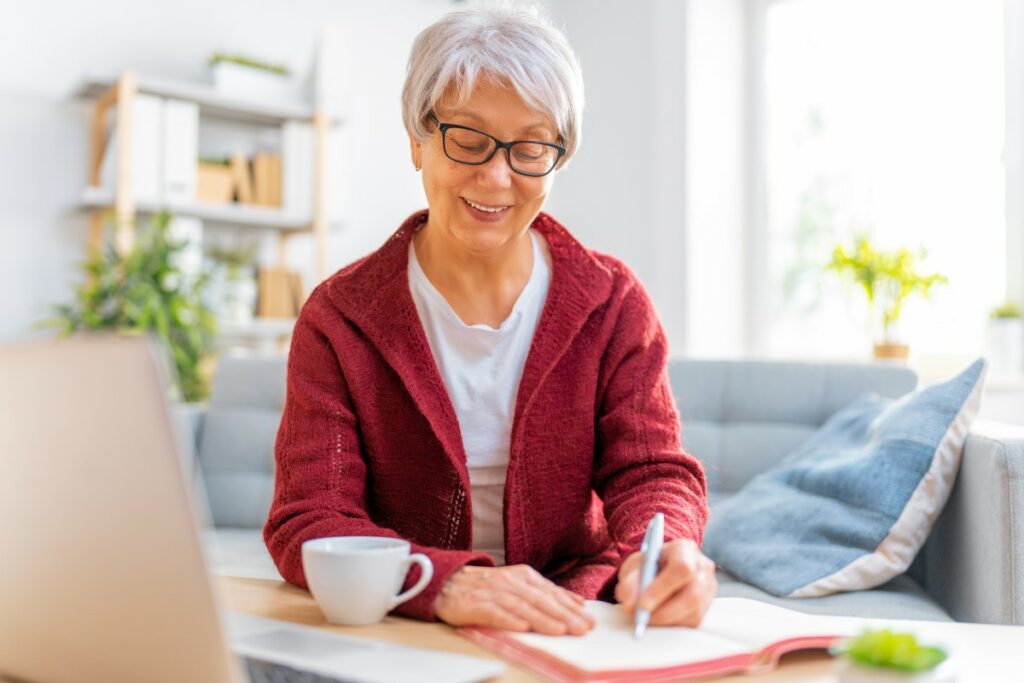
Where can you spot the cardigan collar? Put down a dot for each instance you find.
(374, 295)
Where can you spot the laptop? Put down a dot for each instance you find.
(102, 574)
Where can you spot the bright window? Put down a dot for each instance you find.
(886, 117)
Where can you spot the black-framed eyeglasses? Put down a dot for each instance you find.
(467, 145)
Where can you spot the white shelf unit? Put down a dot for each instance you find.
(229, 214)
(211, 102)
(110, 90)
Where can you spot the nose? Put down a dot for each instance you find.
(497, 172)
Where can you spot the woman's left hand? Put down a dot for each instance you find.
(682, 591)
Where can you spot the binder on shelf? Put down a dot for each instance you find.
(297, 156)
(179, 152)
(147, 148)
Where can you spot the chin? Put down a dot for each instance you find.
(480, 237)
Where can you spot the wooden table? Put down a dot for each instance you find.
(985, 654)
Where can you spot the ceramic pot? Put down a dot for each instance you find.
(888, 351)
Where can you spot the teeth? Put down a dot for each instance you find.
(484, 208)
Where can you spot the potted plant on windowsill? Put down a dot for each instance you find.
(1006, 339)
(145, 291)
(888, 278)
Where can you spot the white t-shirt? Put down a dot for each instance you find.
(481, 367)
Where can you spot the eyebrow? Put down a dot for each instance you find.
(534, 126)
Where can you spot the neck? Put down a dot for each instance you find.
(480, 287)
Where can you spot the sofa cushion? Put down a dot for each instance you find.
(853, 505)
(236, 446)
(742, 418)
(901, 598)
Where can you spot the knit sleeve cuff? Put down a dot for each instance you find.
(446, 563)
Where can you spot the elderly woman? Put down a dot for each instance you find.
(483, 385)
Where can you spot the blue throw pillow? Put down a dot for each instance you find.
(852, 506)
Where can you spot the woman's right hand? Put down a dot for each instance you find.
(515, 598)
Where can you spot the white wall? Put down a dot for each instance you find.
(46, 46)
(623, 194)
(624, 191)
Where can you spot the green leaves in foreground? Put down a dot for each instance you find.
(145, 292)
(887, 649)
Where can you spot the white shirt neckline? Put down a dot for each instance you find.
(538, 277)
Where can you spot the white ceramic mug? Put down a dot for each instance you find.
(356, 579)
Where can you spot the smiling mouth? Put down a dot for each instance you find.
(484, 207)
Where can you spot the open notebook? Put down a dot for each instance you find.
(736, 635)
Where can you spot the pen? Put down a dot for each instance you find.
(651, 549)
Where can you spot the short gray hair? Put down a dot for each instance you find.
(511, 44)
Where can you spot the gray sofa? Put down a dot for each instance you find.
(739, 418)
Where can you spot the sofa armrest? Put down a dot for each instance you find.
(974, 564)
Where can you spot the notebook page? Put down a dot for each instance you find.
(610, 644)
(759, 624)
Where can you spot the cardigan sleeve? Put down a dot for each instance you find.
(320, 486)
(640, 466)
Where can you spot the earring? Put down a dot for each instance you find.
(417, 169)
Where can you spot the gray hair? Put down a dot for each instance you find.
(501, 44)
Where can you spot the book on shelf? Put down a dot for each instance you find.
(280, 292)
(297, 158)
(736, 636)
(266, 175)
(243, 179)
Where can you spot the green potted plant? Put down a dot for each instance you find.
(248, 77)
(885, 656)
(1006, 339)
(145, 291)
(888, 278)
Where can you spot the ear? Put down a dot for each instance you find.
(415, 150)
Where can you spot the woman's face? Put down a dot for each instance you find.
(499, 111)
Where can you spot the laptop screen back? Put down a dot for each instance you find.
(101, 573)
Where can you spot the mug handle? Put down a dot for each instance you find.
(426, 574)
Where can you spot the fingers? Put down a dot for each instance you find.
(682, 591)
(552, 602)
(516, 598)
(538, 619)
(499, 617)
(626, 590)
(679, 565)
(688, 606)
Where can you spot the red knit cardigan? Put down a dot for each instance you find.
(369, 442)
